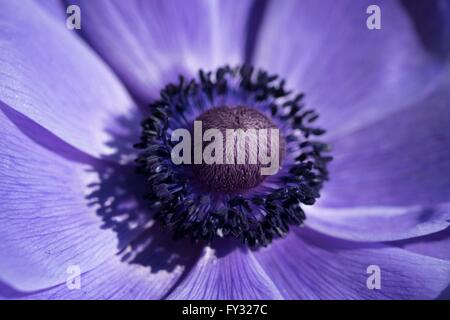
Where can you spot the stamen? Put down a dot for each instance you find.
(236, 202)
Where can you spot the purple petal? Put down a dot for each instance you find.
(46, 223)
(226, 275)
(379, 223)
(54, 7)
(53, 78)
(350, 74)
(403, 160)
(308, 265)
(431, 20)
(148, 43)
(435, 245)
(113, 279)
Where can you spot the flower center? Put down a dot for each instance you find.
(217, 186)
(243, 137)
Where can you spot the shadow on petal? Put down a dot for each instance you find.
(120, 197)
(430, 19)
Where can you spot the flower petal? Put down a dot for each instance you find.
(46, 223)
(148, 43)
(54, 7)
(112, 280)
(379, 223)
(350, 74)
(308, 265)
(53, 78)
(232, 275)
(435, 245)
(403, 160)
(431, 20)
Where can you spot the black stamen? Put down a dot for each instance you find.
(258, 218)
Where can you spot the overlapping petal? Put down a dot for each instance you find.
(113, 279)
(226, 274)
(434, 245)
(149, 43)
(350, 74)
(379, 223)
(322, 267)
(46, 222)
(52, 77)
(403, 160)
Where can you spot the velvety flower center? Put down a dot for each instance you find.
(243, 172)
(203, 184)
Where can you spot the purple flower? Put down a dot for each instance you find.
(70, 111)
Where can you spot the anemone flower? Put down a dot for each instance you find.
(93, 207)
